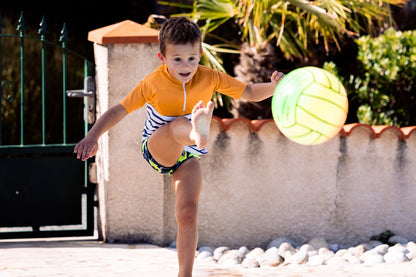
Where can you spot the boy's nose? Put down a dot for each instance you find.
(185, 65)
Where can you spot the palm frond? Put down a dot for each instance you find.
(296, 22)
(174, 4)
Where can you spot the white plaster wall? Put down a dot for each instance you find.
(264, 185)
(258, 186)
(377, 186)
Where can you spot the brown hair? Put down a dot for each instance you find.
(178, 30)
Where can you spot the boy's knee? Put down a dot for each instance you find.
(179, 121)
(187, 215)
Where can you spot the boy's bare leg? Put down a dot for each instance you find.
(166, 143)
(187, 180)
(166, 146)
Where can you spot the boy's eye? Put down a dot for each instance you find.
(177, 59)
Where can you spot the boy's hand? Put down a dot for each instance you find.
(276, 77)
(86, 148)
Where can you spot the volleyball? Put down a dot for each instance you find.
(310, 105)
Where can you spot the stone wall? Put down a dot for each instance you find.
(258, 185)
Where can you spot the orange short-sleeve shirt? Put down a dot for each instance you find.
(170, 97)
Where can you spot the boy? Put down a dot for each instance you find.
(178, 121)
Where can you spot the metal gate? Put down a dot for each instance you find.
(44, 190)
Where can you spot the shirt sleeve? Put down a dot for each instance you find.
(229, 86)
(135, 99)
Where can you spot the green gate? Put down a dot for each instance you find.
(44, 190)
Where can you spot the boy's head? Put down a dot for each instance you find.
(180, 48)
(178, 30)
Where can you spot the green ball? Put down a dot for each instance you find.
(310, 105)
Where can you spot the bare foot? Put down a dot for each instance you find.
(201, 120)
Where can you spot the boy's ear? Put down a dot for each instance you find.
(161, 58)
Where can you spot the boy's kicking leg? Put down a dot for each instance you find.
(166, 143)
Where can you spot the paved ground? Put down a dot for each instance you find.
(94, 259)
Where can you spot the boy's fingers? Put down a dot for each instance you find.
(85, 154)
(89, 152)
(278, 76)
(78, 151)
(274, 76)
(81, 151)
(84, 150)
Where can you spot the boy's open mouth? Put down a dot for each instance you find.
(185, 74)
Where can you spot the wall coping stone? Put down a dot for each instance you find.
(126, 31)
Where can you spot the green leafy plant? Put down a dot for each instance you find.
(384, 81)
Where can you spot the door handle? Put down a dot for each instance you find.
(88, 93)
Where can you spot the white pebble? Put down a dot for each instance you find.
(395, 257)
(243, 250)
(250, 262)
(381, 249)
(353, 260)
(300, 257)
(255, 253)
(315, 260)
(306, 248)
(373, 259)
(325, 253)
(286, 247)
(336, 260)
(203, 255)
(231, 257)
(398, 248)
(218, 252)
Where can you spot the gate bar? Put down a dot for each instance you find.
(21, 27)
(42, 32)
(63, 38)
(1, 71)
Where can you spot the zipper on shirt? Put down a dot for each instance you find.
(184, 96)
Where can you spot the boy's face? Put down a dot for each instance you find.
(182, 60)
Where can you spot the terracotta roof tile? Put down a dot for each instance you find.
(126, 31)
(408, 131)
(375, 131)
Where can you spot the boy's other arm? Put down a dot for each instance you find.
(87, 147)
(260, 91)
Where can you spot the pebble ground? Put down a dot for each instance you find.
(33, 258)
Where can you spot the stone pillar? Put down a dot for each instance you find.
(131, 195)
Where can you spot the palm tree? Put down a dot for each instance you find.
(272, 30)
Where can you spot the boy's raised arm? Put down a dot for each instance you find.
(87, 147)
(260, 91)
